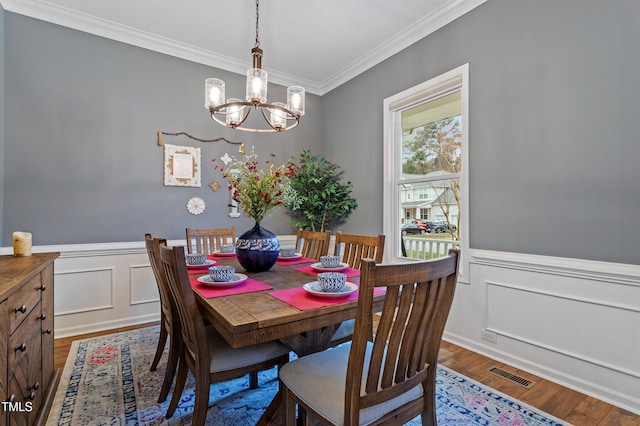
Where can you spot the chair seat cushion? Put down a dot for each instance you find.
(224, 357)
(319, 380)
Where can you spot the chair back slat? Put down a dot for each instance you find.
(153, 251)
(314, 244)
(175, 270)
(209, 240)
(406, 344)
(353, 248)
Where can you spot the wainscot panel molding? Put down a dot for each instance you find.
(572, 321)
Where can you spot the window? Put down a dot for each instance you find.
(426, 146)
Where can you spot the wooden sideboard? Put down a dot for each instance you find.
(27, 378)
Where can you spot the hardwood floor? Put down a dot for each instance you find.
(574, 407)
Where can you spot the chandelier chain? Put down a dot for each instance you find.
(257, 21)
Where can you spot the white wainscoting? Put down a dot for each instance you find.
(571, 321)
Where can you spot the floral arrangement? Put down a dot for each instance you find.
(257, 191)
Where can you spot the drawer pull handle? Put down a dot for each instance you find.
(47, 331)
(12, 399)
(22, 309)
(35, 386)
(43, 317)
(42, 288)
(22, 347)
(31, 396)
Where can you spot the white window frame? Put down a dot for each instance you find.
(456, 79)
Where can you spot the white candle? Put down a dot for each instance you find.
(21, 244)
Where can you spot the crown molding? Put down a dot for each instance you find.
(427, 25)
(49, 12)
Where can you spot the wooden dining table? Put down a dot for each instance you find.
(257, 316)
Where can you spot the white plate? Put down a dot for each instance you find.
(314, 289)
(219, 253)
(294, 257)
(318, 267)
(238, 278)
(206, 264)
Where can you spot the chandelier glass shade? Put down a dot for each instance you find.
(233, 112)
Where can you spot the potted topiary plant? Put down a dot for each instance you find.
(321, 200)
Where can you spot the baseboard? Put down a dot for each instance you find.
(105, 325)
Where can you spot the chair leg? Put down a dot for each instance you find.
(428, 416)
(162, 340)
(253, 380)
(288, 407)
(170, 372)
(202, 400)
(181, 380)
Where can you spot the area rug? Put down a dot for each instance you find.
(106, 381)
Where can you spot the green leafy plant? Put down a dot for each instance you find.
(321, 200)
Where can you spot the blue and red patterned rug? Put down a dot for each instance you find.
(106, 381)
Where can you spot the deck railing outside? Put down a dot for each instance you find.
(427, 248)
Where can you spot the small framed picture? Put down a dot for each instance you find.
(181, 166)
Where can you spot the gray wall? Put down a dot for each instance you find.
(553, 138)
(81, 160)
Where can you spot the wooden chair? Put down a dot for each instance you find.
(209, 240)
(206, 354)
(169, 322)
(353, 249)
(391, 379)
(314, 244)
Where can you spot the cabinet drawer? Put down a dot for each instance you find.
(26, 389)
(23, 301)
(26, 339)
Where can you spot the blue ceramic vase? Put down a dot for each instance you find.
(257, 249)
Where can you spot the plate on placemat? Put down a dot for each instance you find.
(294, 257)
(206, 264)
(237, 279)
(318, 267)
(314, 289)
(221, 254)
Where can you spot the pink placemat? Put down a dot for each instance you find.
(221, 256)
(284, 262)
(248, 286)
(349, 272)
(302, 300)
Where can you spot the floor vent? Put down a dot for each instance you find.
(511, 377)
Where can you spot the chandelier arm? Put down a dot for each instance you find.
(262, 109)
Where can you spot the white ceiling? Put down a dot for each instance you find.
(317, 44)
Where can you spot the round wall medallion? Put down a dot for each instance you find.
(195, 205)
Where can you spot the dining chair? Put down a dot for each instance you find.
(352, 249)
(313, 244)
(390, 379)
(209, 240)
(169, 323)
(206, 354)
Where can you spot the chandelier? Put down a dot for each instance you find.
(234, 112)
